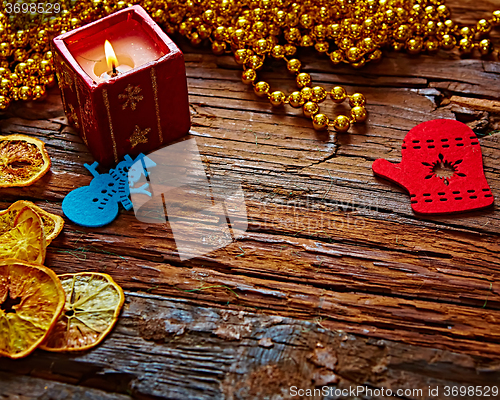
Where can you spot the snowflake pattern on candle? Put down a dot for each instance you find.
(139, 136)
(131, 96)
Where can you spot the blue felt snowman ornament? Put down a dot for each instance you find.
(96, 205)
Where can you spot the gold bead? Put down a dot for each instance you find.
(341, 124)
(483, 26)
(414, 46)
(261, 46)
(306, 41)
(441, 29)
(294, 65)
(310, 108)
(255, 62)
(241, 56)
(209, 16)
(369, 25)
(357, 99)
(258, 14)
(322, 47)
(39, 92)
(5, 86)
(290, 49)
(248, 76)
(303, 79)
(291, 19)
(295, 99)
(359, 114)
(320, 32)
(195, 39)
(333, 31)
(419, 29)
(218, 48)
(25, 93)
(338, 94)
(74, 22)
(15, 79)
(4, 102)
(467, 31)
(22, 69)
(14, 94)
(5, 50)
(398, 46)
(448, 42)
(20, 55)
(323, 14)
(318, 94)
(278, 51)
(354, 31)
(239, 37)
(292, 35)
(306, 92)
(21, 39)
(390, 16)
(430, 28)
(185, 29)
(430, 11)
(346, 43)
(280, 17)
(496, 18)
(465, 45)
(354, 54)
(432, 45)
(203, 32)
(450, 25)
(219, 33)
(277, 98)
(320, 122)
(336, 57)
(158, 15)
(485, 47)
(261, 89)
(368, 45)
(243, 23)
(443, 11)
(306, 21)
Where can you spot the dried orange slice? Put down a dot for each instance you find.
(26, 241)
(31, 300)
(52, 224)
(93, 303)
(23, 160)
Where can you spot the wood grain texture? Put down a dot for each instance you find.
(336, 280)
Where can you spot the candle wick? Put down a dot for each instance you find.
(114, 70)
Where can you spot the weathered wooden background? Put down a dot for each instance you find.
(336, 282)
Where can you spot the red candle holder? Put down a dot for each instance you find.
(141, 108)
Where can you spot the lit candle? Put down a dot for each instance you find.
(132, 46)
(114, 65)
(123, 85)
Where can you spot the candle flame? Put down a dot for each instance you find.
(111, 59)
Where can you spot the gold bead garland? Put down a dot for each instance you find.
(346, 31)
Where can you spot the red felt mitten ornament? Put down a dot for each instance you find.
(441, 167)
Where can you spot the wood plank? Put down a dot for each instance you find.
(335, 282)
(167, 348)
(18, 387)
